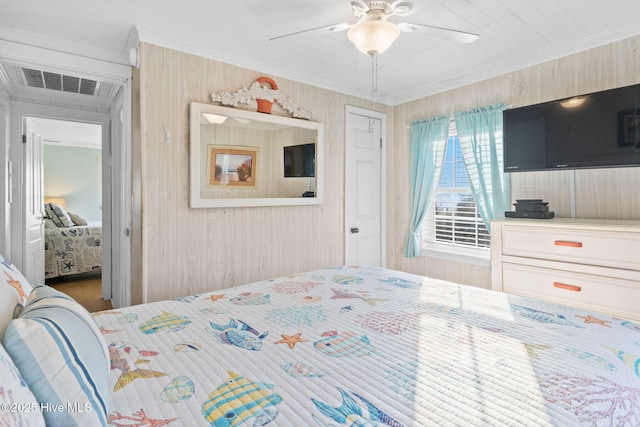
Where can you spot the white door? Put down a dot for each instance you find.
(33, 265)
(364, 189)
(120, 287)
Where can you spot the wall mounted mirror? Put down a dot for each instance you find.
(243, 158)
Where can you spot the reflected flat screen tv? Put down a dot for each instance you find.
(597, 130)
(300, 160)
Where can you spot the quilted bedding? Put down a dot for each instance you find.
(72, 250)
(369, 346)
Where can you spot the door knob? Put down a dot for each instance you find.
(355, 230)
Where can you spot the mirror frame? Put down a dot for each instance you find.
(196, 201)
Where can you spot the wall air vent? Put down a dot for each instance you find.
(59, 82)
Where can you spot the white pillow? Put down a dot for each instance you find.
(19, 406)
(14, 290)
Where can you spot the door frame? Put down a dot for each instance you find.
(6, 170)
(56, 60)
(349, 110)
(19, 111)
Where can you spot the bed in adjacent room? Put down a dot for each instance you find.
(72, 244)
(363, 346)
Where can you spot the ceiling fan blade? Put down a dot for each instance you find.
(333, 28)
(445, 33)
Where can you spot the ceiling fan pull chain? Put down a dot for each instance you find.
(372, 101)
(374, 76)
(376, 87)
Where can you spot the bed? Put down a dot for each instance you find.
(72, 250)
(72, 245)
(357, 345)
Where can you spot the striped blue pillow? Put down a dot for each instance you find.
(62, 356)
(40, 292)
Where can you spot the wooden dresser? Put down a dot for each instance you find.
(592, 264)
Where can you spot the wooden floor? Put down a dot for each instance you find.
(84, 288)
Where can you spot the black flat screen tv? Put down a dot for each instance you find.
(300, 160)
(597, 130)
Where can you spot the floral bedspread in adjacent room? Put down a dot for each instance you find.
(369, 346)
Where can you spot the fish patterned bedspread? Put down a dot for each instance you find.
(364, 346)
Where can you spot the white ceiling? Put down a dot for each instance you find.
(65, 133)
(513, 34)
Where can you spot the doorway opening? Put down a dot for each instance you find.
(43, 84)
(72, 190)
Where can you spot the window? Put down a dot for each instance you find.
(453, 227)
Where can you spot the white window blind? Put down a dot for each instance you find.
(453, 221)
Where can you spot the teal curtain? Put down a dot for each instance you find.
(481, 142)
(427, 143)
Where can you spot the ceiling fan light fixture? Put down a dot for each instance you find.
(402, 8)
(214, 118)
(373, 37)
(574, 102)
(359, 6)
(339, 27)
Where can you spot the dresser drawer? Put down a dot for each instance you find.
(617, 249)
(610, 295)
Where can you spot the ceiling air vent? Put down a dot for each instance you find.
(53, 81)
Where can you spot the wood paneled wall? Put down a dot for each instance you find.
(604, 193)
(184, 251)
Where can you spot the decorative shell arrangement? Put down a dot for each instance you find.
(263, 96)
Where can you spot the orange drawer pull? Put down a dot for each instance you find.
(567, 287)
(568, 243)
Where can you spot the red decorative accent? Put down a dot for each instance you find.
(264, 105)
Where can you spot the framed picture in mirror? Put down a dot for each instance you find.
(233, 166)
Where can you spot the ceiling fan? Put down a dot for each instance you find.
(373, 33)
